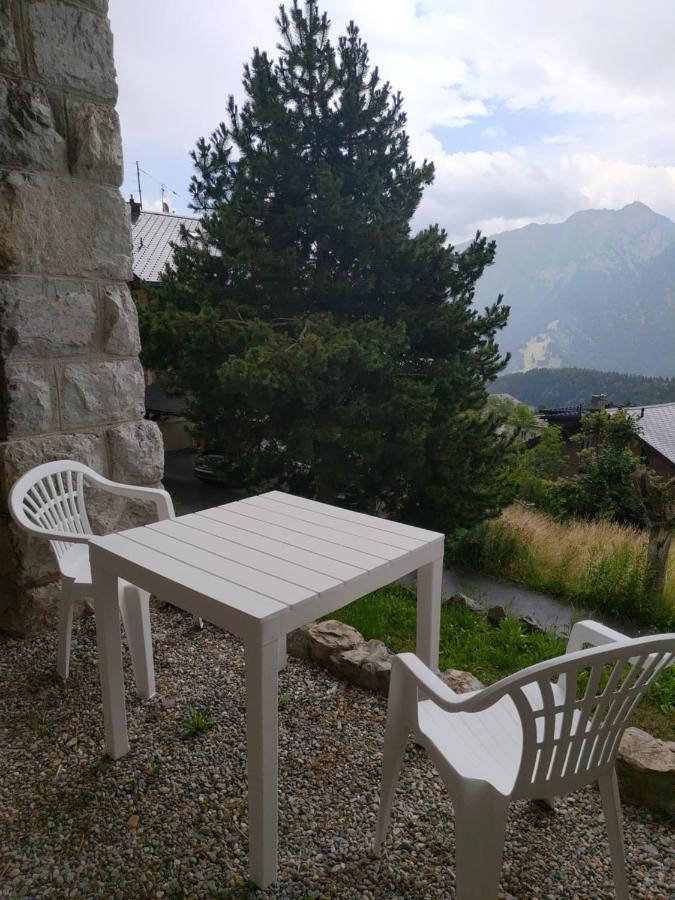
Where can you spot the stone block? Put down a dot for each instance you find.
(461, 682)
(41, 318)
(28, 611)
(19, 456)
(646, 770)
(63, 227)
(297, 642)
(94, 392)
(108, 513)
(136, 452)
(31, 400)
(95, 144)
(328, 638)
(120, 322)
(72, 47)
(36, 562)
(368, 665)
(28, 133)
(10, 58)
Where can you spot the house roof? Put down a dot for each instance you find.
(152, 235)
(656, 427)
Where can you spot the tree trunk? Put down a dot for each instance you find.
(660, 538)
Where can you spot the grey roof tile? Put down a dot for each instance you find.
(656, 426)
(152, 235)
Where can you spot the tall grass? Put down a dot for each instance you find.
(594, 564)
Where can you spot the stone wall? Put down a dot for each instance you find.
(71, 384)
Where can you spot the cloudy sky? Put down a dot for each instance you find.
(530, 110)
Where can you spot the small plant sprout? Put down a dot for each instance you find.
(197, 722)
(283, 701)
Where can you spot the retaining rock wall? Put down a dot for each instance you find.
(71, 384)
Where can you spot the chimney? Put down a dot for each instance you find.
(598, 402)
(135, 209)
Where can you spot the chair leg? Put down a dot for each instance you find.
(611, 804)
(480, 827)
(135, 610)
(395, 740)
(65, 631)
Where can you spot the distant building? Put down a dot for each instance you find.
(655, 424)
(153, 237)
(656, 431)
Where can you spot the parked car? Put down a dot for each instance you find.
(208, 465)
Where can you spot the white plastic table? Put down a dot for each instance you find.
(259, 568)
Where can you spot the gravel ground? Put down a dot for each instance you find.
(169, 820)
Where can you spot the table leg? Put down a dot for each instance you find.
(429, 581)
(108, 639)
(261, 733)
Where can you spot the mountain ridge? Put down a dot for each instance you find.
(596, 291)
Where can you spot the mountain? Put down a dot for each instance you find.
(597, 290)
(569, 387)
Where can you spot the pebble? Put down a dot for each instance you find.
(61, 812)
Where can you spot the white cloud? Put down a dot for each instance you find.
(607, 65)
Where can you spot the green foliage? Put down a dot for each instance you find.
(469, 643)
(604, 487)
(536, 468)
(197, 722)
(322, 347)
(283, 701)
(487, 547)
(571, 387)
(622, 584)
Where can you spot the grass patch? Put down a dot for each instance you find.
(469, 643)
(197, 722)
(597, 565)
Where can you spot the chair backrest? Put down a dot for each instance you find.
(50, 499)
(574, 709)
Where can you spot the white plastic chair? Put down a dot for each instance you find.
(49, 502)
(539, 733)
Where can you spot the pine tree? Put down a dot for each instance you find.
(325, 348)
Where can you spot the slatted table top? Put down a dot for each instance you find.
(275, 554)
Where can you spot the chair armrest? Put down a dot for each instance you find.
(161, 498)
(411, 668)
(593, 633)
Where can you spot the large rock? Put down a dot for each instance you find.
(495, 615)
(94, 142)
(298, 644)
(120, 322)
(72, 47)
(82, 226)
(463, 601)
(29, 137)
(31, 400)
(137, 452)
(368, 664)
(42, 318)
(461, 682)
(646, 769)
(328, 638)
(95, 391)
